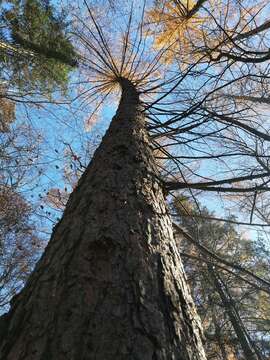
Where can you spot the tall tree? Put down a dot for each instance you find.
(226, 301)
(120, 257)
(110, 283)
(120, 281)
(20, 244)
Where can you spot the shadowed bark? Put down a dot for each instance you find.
(110, 284)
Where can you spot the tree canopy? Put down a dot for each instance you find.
(36, 52)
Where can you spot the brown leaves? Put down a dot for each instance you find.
(7, 113)
(57, 198)
(13, 208)
(19, 246)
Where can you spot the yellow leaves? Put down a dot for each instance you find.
(176, 27)
(188, 31)
(184, 205)
(264, 306)
(232, 356)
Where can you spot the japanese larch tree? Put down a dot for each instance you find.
(110, 284)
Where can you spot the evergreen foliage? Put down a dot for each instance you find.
(36, 52)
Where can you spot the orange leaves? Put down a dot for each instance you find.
(91, 121)
(7, 113)
(190, 30)
(175, 27)
(19, 246)
(57, 198)
(13, 207)
(94, 116)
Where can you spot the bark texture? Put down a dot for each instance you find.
(110, 284)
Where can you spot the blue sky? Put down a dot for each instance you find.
(65, 124)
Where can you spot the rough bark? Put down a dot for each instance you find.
(110, 284)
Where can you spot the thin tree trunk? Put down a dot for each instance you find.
(218, 335)
(239, 329)
(110, 284)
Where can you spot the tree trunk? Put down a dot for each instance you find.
(237, 324)
(218, 335)
(110, 284)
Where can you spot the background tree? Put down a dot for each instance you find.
(20, 242)
(20, 246)
(36, 54)
(35, 61)
(234, 312)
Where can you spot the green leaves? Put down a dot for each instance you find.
(36, 51)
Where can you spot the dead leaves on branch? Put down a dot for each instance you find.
(7, 113)
(19, 246)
